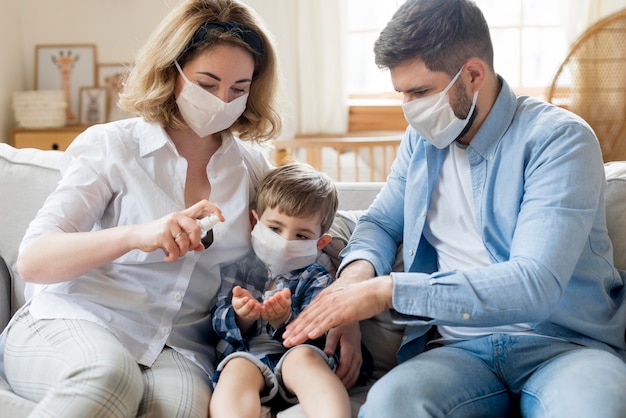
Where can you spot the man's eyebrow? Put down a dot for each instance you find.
(417, 89)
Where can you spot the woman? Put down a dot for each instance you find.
(120, 327)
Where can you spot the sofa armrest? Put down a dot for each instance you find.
(5, 294)
(27, 176)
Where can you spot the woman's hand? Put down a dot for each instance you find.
(44, 260)
(176, 233)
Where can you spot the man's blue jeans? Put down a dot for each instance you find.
(503, 375)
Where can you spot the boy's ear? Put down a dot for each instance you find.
(323, 241)
(253, 217)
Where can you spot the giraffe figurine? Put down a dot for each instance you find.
(65, 64)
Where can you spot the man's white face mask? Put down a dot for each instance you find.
(433, 117)
(205, 113)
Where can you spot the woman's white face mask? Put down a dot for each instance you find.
(433, 117)
(279, 255)
(205, 113)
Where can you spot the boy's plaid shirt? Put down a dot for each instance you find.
(251, 274)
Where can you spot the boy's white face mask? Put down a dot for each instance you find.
(279, 255)
(434, 119)
(205, 113)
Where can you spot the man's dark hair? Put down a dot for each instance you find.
(443, 33)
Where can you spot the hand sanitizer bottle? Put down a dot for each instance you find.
(206, 226)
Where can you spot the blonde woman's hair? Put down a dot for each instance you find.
(299, 190)
(149, 88)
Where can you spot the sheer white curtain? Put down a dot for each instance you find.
(579, 15)
(311, 41)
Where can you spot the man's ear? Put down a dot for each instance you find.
(477, 70)
(323, 241)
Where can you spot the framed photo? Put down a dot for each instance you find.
(93, 105)
(111, 77)
(66, 67)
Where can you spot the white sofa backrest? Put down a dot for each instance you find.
(27, 176)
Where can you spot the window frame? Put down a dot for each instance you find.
(361, 98)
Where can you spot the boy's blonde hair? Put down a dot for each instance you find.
(299, 190)
(149, 88)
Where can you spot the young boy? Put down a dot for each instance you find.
(265, 290)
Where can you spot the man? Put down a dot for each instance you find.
(499, 203)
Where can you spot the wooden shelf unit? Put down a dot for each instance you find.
(45, 138)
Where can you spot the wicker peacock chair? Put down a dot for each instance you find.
(591, 82)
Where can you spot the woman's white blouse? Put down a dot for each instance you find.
(129, 172)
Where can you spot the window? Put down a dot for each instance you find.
(527, 35)
(366, 18)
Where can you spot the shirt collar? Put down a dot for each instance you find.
(497, 121)
(152, 137)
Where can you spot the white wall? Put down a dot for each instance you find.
(117, 28)
(12, 68)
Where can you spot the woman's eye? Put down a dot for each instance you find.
(206, 86)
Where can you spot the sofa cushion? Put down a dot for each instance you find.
(341, 229)
(380, 335)
(616, 209)
(27, 176)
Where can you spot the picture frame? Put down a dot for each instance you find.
(66, 67)
(111, 76)
(93, 105)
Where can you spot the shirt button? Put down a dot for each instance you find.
(423, 213)
(466, 315)
(178, 297)
(411, 252)
(404, 338)
(165, 330)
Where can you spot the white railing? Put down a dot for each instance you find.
(343, 158)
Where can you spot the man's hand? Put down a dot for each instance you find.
(348, 338)
(340, 304)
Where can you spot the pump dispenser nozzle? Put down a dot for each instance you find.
(206, 226)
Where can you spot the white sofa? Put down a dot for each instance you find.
(27, 176)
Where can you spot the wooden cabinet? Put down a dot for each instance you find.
(368, 118)
(45, 138)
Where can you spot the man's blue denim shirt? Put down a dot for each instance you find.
(539, 187)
